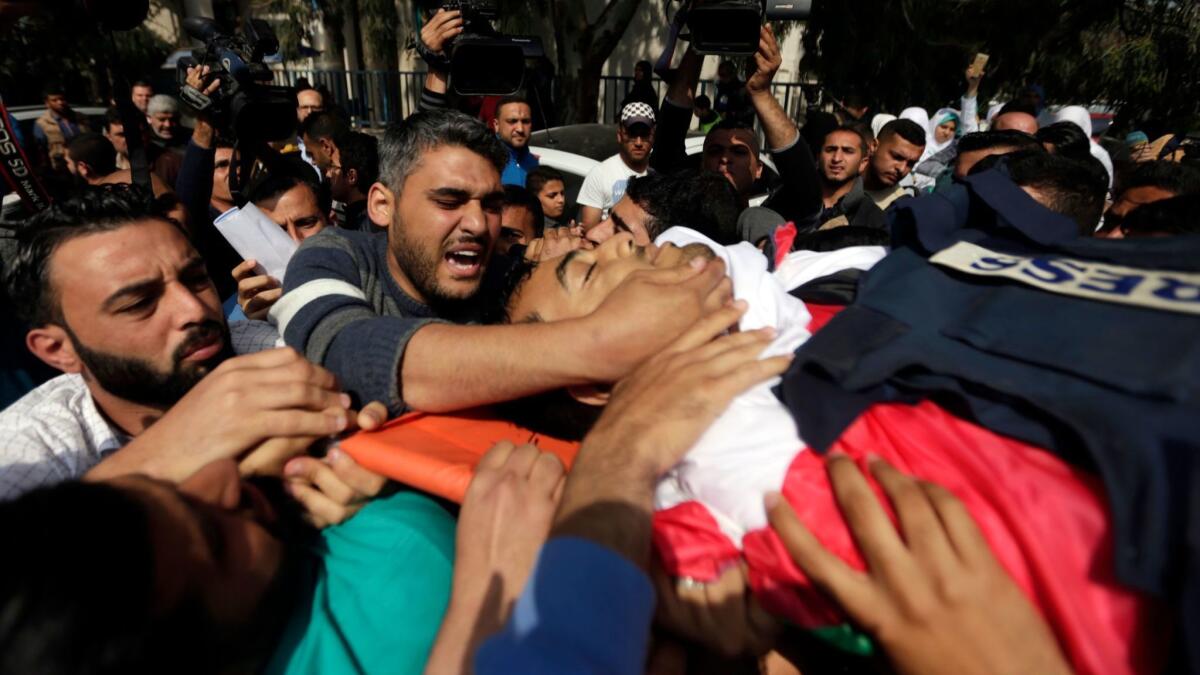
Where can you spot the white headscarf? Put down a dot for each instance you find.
(932, 147)
(993, 111)
(878, 121)
(917, 115)
(1080, 117)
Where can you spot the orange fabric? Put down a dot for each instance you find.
(438, 453)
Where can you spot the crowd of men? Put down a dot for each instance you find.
(175, 497)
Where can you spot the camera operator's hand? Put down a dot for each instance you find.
(196, 75)
(441, 29)
(767, 61)
(256, 292)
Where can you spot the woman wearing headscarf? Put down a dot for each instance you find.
(1080, 116)
(941, 135)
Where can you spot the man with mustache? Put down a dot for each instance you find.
(380, 312)
(513, 124)
(117, 298)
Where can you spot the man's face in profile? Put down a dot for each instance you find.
(115, 133)
(577, 283)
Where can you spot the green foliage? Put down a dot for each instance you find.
(65, 47)
(1139, 56)
(293, 21)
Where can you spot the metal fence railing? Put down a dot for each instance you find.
(614, 88)
(372, 97)
(376, 97)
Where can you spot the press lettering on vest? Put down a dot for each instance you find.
(1171, 291)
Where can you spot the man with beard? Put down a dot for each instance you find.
(119, 301)
(605, 184)
(376, 310)
(844, 155)
(731, 147)
(900, 144)
(513, 123)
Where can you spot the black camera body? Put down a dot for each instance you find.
(483, 62)
(245, 106)
(731, 26)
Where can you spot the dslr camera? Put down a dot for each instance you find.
(245, 106)
(482, 61)
(731, 26)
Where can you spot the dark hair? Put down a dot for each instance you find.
(112, 116)
(512, 98)
(536, 180)
(59, 621)
(1165, 217)
(1067, 139)
(94, 150)
(988, 140)
(407, 140)
(288, 174)
(1178, 179)
(704, 201)
(1016, 107)
(855, 129)
(906, 129)
(734, 123)
(53, 89)
(141, 83)
(702, 101)
(553, 413)
(302, 86)
(517, 196)
(841, 237)
(91, 210)
(644, 65)
(56, 621)
(360, 152)
(324, 124)
(1070, 187)
(854, 100)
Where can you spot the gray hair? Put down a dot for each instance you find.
(407, 140)
(162, 103)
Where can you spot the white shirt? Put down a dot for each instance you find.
(748, 449)
(605, 185)
(52, 434)
(55, 432)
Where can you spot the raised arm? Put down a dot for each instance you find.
(675, 116)
(800, 196)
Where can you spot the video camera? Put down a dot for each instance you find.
(245, 106)
(732, 26)
(482, 61)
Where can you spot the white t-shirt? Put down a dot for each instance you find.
(605, 185)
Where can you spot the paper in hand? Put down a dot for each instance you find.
(253, 235)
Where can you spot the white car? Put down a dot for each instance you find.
(576, 149)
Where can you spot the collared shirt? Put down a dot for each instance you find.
(520, 163)
(56, 433)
